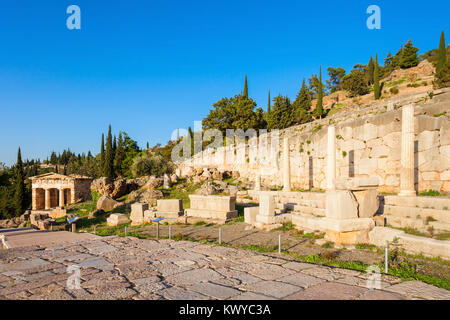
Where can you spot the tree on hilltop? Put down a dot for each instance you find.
(409, 58)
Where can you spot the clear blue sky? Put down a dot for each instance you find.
(150, 66)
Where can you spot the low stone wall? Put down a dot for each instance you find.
(422, 213)
(379, 236)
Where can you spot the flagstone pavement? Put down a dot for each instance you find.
(130, 268)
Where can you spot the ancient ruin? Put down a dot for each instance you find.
(53, 190)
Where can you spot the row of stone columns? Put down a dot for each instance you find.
(48, 198)
(407, 157)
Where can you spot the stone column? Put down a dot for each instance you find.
(61, 197)
(47, 199)
(407, 155)
(33, 199)
(286, 166)
(331, 158)
(258, 182)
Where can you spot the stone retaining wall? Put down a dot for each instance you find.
(367, 145)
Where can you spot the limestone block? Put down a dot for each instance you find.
(116, 219)
(172, 205)
(445, 151)
(445, 175)
(379, 151)
(341, 204)
(379, 235)
(106, 203)
(349, 225)
(137, 213)
(366, 166)
(368, 202)
(427, 140)
(250, 214)
(149, 216)
(170, 208)
(444, 138)
(357, 183)
(266, 204)
(392, 180)
(393, 140)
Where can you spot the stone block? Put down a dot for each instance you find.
(106, 203)
(368, 202)
(169, 208)
(171, 205)
(266, 204)
(341, 204)
(116, 219)
(250, 214)
(149, 215)
(219, 209)
(357, 183)
(137, 213)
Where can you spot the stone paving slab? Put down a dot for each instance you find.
(128, 268)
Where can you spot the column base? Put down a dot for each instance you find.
(407, 193)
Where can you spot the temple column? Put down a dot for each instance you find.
(33, 199)
(407, 152)
(61, 197)
(47, 199)
(258, 182)
(331, 158)
(286, 166)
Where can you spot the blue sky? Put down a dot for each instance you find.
(148, 67)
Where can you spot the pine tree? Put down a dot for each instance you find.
(102, 155)
(301, 105)
(109, 157)
(318, 112)
(442, 54)
(409, 56)
(280, 116)
(376, 80)
(245, 94)
(19, 192)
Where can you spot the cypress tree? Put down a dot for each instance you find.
(245, 88)
(114, 145)
(119, 156)
(370, 70)
(268, 103)
(442, 54)
(102, 155)
(109, 157)
(319, 106)
(19, 192)
(376, 80)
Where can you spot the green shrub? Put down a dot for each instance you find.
(148, 164)
(394, 90)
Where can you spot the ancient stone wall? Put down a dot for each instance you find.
(368, 144)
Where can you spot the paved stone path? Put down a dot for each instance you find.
(129, 268)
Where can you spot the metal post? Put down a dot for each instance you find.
(157, 230)
(220, 235)
(279, 243)
(386, 269)
(170, 233)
